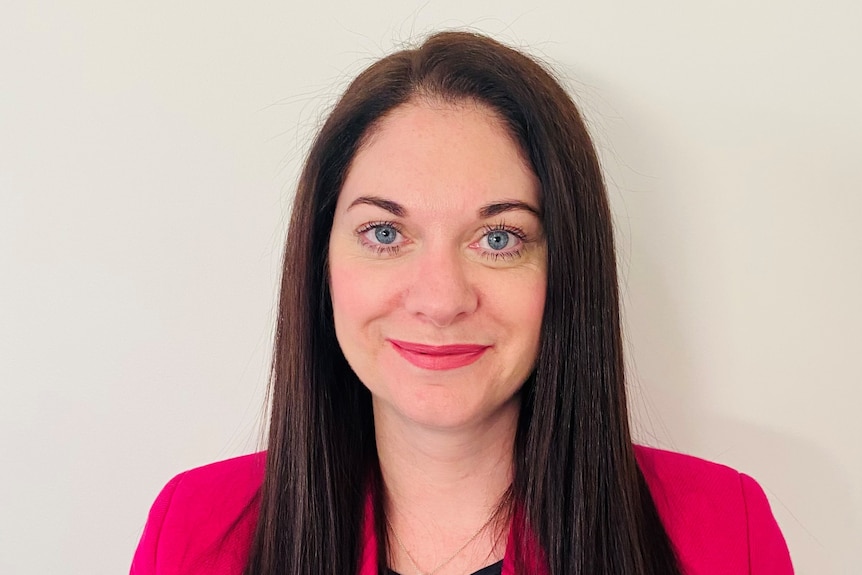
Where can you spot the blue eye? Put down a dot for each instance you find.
(383, 238)
(385, 234)
(498, 239)
(502, 241)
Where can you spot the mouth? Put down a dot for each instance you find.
(439, 357)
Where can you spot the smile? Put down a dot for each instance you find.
(438, 357)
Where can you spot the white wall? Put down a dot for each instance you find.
(147, 155)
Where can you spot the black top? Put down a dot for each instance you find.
(495, 569)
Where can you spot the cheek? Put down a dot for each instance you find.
(523, 304)
(358, 295)
(535, 305)
(347, 298)
(524, 314)
(531, 312)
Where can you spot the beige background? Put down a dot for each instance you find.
(147, 156)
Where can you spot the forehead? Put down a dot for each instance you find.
(431, 154)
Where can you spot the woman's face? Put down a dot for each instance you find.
(437, 266)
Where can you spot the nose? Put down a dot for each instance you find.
(440, 290)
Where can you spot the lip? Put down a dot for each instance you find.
(439, 357)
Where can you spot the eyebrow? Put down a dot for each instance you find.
(496, 208)
(392, 207)
(486, 211)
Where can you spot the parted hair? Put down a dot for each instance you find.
(576, 484)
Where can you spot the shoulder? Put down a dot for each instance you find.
(203, 519)
(677, 471)
(715, 515)
(232, 479)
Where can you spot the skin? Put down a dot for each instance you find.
(415, 256)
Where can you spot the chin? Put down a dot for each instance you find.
(455, 413)
(445, 420)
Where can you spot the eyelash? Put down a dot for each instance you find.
(379, 249)
(494, 255)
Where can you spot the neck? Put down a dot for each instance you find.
(423, 464)
(441, 485)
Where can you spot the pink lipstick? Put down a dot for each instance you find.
(438, 357)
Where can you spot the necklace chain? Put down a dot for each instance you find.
(447, 560)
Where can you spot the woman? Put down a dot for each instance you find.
(448, 390)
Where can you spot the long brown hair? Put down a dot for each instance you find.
(576, 479)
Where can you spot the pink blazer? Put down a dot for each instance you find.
(718, 519)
